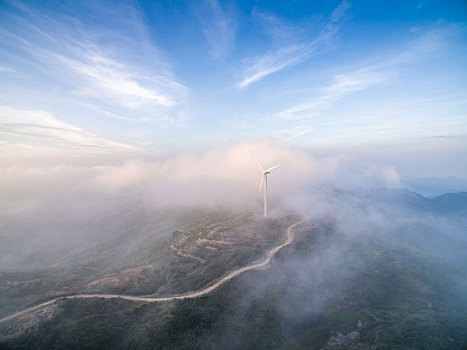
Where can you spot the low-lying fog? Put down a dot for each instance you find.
(45, 206)
(42, 206)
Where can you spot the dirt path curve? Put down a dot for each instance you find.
(150, 299)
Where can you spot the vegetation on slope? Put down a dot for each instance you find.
(395, 295)
(139, 252)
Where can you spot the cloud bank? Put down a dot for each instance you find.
(221, 175)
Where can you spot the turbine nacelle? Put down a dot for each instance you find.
(266, 172)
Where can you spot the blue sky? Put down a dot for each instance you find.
(146, 76)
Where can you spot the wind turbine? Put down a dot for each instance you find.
(264, 179)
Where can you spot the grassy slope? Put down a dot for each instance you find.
(180, 250)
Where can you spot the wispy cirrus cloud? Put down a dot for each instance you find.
(40, 128)
(91, 63)
(274, 26)
(105, 78)
(296, 132)
(342, 85)
(272, 62)
(383, 70)
(219, 28)
(7, 69)
(275, 60)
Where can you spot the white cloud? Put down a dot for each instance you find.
(295, 132)
(23, 128)
(127, 74)
(107, 79)
(343, 84)
(358, 80)
(219, 29)
(7, 69)
(276, 60)
(272, 62)
(383, 71)
(274, 26)
(218, 175)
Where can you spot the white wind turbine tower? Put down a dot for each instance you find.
(264, 179)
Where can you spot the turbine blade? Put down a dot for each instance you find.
(259, 164)
(261, 185)
(274, 167)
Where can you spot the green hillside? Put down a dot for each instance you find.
(138, 252)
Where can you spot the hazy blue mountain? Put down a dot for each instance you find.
(435, 186)
(445, 204)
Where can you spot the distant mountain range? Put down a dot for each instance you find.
(434, 186)
(445, 204)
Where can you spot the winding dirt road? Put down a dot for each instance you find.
(152, 299)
